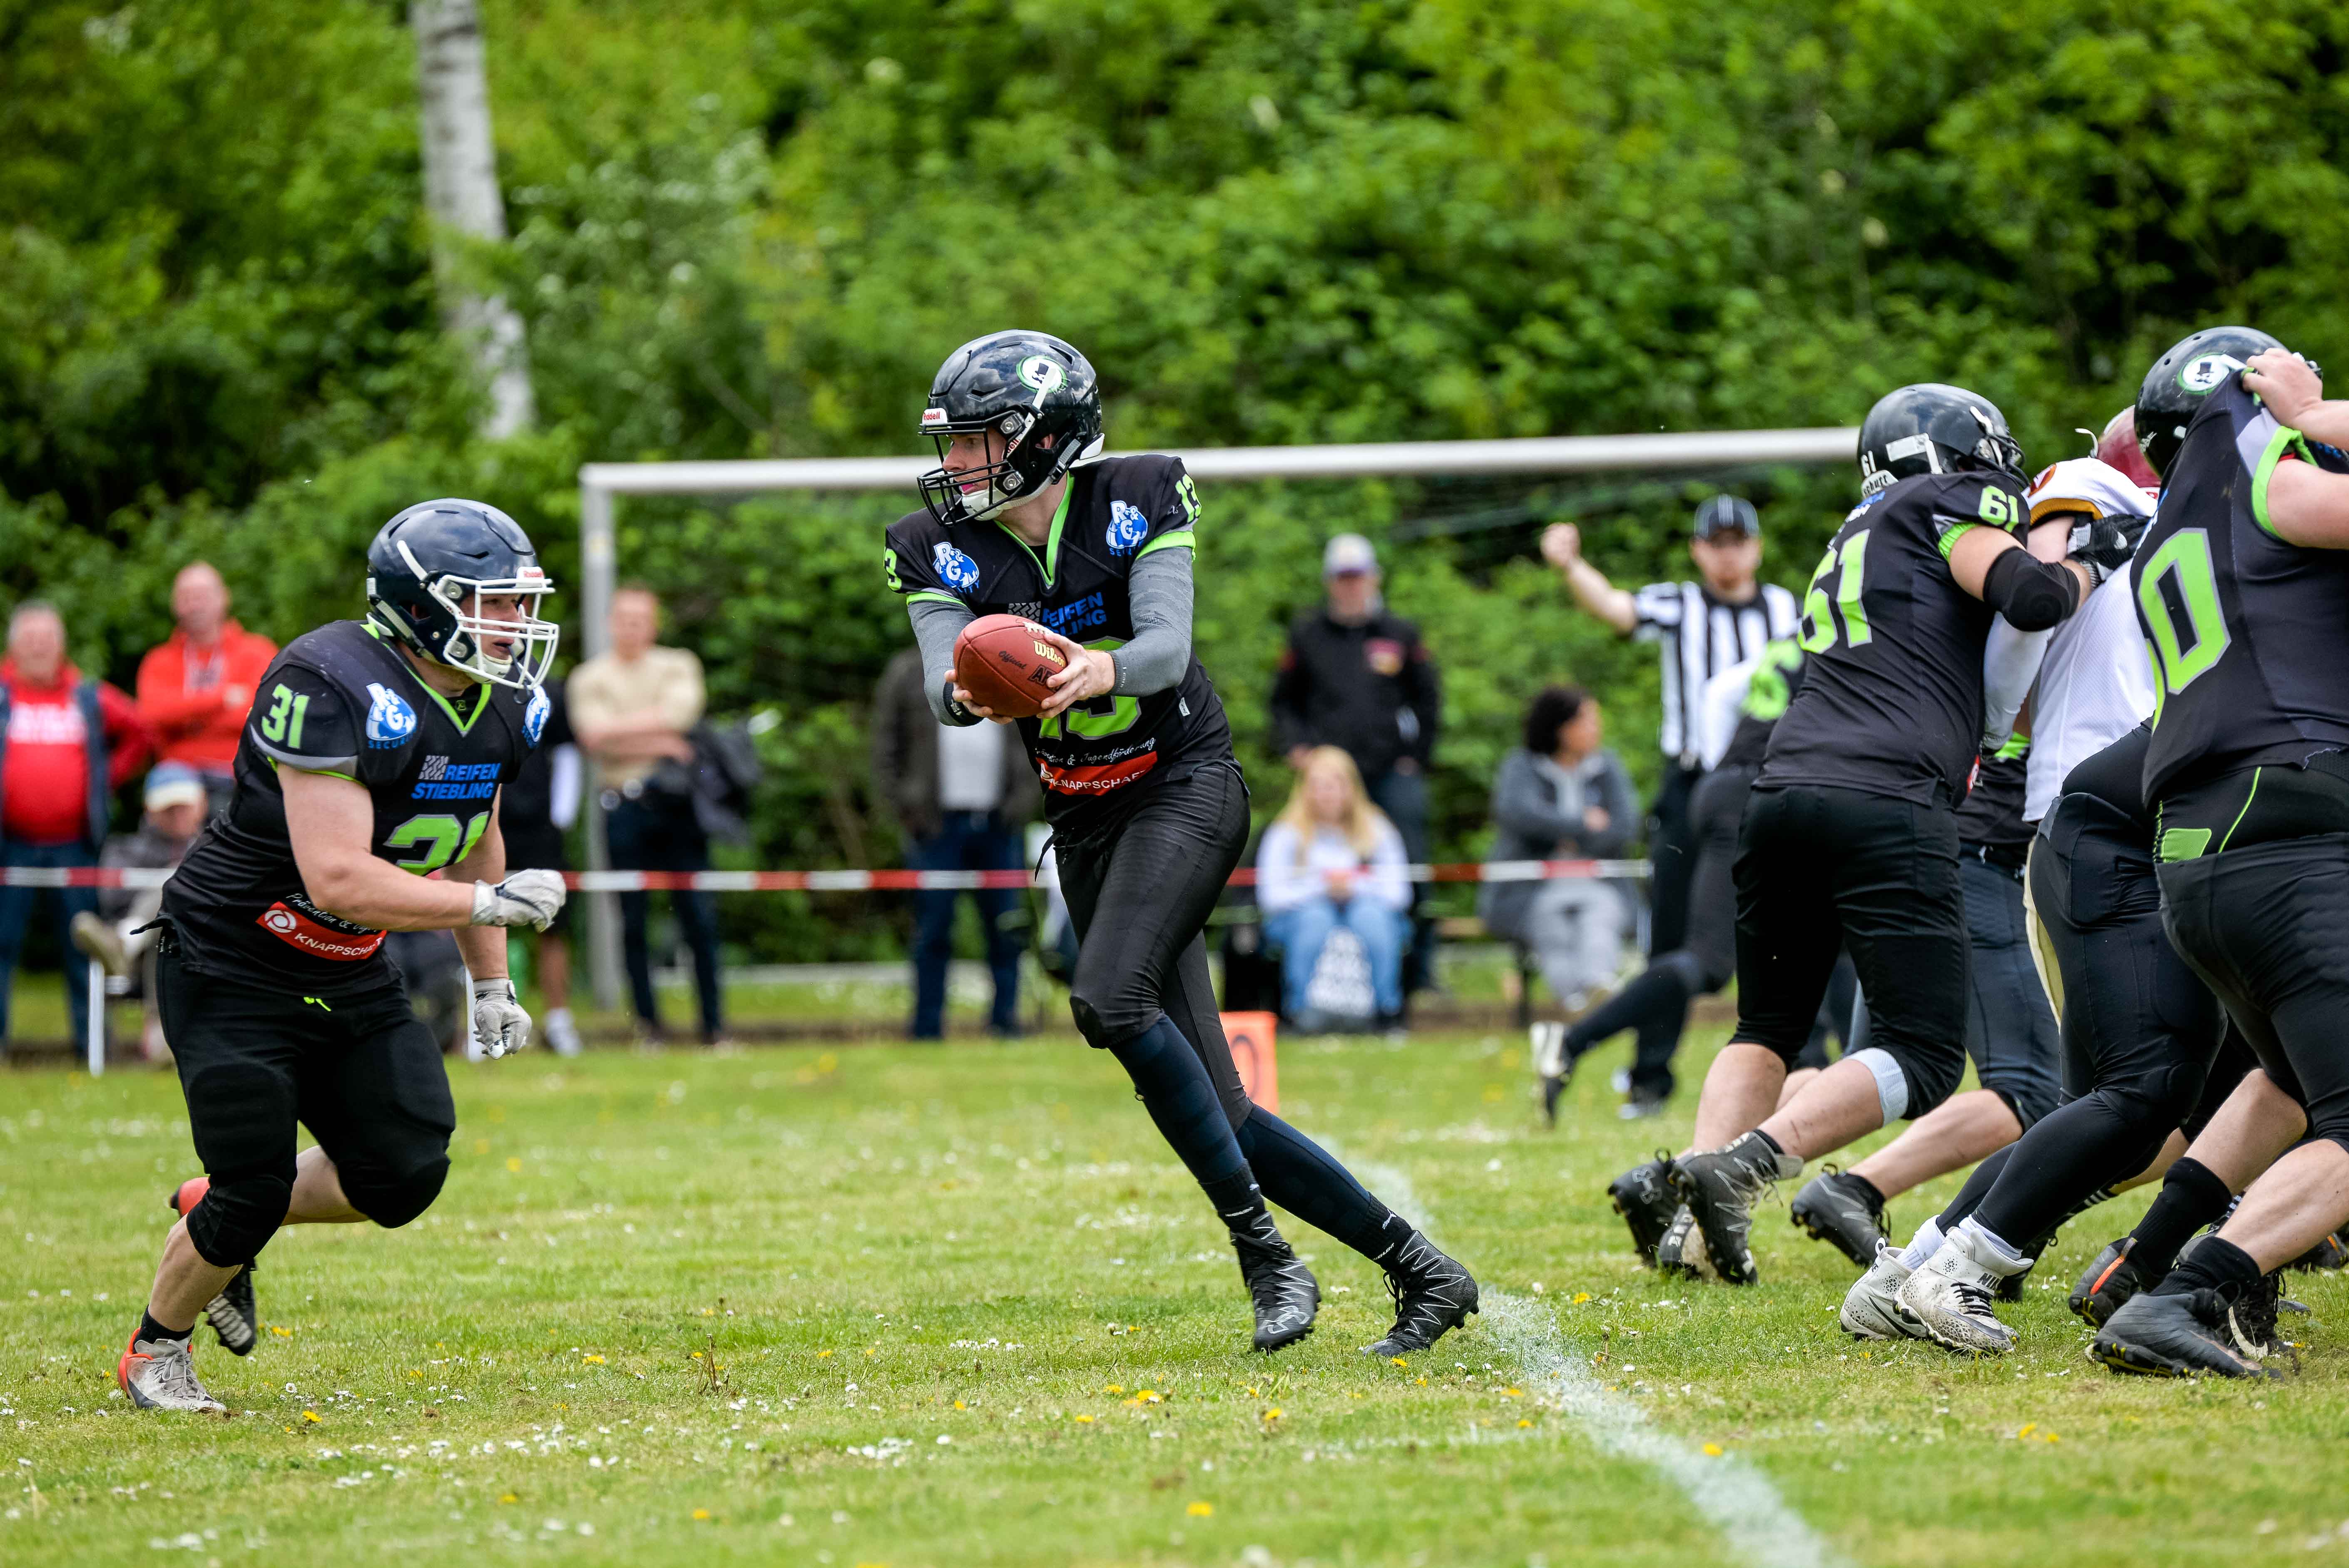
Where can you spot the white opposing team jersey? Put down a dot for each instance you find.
(2096, 684)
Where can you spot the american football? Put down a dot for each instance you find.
(1004, 662)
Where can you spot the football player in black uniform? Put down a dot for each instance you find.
(2242, 592)
(373, 758)
(1850, 836)
(1148, 809)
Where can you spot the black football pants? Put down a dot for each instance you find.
(362, 1072)
(1820, 869)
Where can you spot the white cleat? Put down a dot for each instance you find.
(161, 1374)
(1871, 1308)
(1952, 1298)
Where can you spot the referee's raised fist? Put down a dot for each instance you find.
(1561, 544)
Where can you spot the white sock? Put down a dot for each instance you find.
(1988, 1248)
(1923, 1244)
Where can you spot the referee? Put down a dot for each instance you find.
(1701, 628)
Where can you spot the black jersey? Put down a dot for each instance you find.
(1776, 678)
(341, 700)
(1991, 815)
(1893, 705)
(2249, 634)
(1113, 513)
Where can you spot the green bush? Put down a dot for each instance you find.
(743, 228)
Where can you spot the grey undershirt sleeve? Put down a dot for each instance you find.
(937, 624)
(1160, 588)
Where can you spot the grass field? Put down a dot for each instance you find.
(905, 1306)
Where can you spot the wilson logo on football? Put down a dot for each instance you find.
(298, 930)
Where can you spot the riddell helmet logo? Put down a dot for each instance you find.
(933, 416)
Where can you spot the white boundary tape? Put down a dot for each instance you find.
(1731, 1494)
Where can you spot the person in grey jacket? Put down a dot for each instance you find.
(1562, 796)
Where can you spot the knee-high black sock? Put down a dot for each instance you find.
(1655, 997)
(1305, 1179)
(2068, 1154)
(2191, 1197)
(1174, 1087)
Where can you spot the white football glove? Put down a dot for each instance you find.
(525, 898)
(500, 1025)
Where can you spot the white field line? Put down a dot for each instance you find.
(1735, 1497)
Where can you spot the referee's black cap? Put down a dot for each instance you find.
(1727, 514)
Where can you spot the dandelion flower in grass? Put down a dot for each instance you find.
(1524, 1423)
(1712, 1450)
(313, 1416)
(1201, 1509)
(1398, 1360)
(701, 1513)
(1084, 1420)
(1512, 1393)
(1114, 1388)
(1580, 1296)
(593, 1360)
(510, 1497)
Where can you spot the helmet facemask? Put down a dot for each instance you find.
(459, 637)
(1030, 402)
(1020, 462)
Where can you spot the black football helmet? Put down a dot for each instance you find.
(429, 562)
(2195, 366)
(1036, 401)
(1931, 428)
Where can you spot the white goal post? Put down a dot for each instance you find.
(601, 484)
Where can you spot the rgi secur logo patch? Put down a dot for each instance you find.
(390, 720)
(956, 570)
(1043, 372)
(2203, 373)
(1127, 528)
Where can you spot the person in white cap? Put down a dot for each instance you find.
(121, 931)
(1357, 676)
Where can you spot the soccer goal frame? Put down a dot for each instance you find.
(602, 484)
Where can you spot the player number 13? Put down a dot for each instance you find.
(1847, 564)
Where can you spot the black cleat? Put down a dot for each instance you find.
(1721, 1189)
(1281, 1288)
(2110, 1280)
(1643, 1195)
(1432, 1295)
(233, 1315)
(1836, 1207)
(2175, 1337)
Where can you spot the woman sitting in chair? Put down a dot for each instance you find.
(1330, 859)
(1562, 797)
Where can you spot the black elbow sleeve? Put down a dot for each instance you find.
(2032, 593)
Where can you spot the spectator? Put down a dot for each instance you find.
(631, 710)
(1702, 629)
(535, 811)
(1359, 678)
(67, 743)
(120, 932)
(961, 795)
(196, 686)
(1332, 859)
(1562, 796)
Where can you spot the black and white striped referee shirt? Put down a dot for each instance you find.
(1700, 636)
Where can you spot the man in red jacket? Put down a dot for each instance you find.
(195, 688)
(67, 743)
